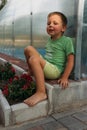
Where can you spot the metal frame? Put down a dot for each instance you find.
(79, 39)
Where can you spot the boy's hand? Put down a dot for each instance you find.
(63, 82)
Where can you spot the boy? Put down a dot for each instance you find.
(58, 61)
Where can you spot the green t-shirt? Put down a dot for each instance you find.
(58, 50)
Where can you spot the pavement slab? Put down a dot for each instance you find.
(72, 123)
(82, 116)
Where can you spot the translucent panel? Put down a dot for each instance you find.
(24, 23)
(26, 8)
(22, 31)
(15, 17)
(85, 12)
(40, 11)
(1, 37)
(84, 42)
(1, 31)
(7, 11)
(8, 30)
(84, 51)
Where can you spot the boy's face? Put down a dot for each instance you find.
(55, 27)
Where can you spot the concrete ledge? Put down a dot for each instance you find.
(5, 110)
(50, 100)
(21, 112)
(58, 100)
(74, 96)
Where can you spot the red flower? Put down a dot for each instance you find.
(16, 78)
(3, 70)
(12, 69)
(5, 92)
(5, 87)
(24, 87)
(10, 80)
(27, 77)
(15, 87)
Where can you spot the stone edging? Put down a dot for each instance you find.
(58, 100)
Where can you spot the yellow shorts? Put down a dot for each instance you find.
(51, 71)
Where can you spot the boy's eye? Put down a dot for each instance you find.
(48, 23)
(54, 23)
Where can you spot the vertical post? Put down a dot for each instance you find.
(79, 39)
(31, 35)
(13, 38)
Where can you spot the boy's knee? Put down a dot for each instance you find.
(33, 60)
(27, 49)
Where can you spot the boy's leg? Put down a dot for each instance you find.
(37, 64)
(30, 51)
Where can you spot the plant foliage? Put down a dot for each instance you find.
(15, 88)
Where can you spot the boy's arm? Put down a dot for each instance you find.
(63, 81)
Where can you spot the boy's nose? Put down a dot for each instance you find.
(51, 24)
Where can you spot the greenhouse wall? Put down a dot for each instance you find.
(23, 22)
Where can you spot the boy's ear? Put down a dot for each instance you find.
(64, 28)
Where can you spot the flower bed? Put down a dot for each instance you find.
(11, 113)
(15, 88)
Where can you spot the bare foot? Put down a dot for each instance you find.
(36, 98)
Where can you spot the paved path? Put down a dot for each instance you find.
(75, 119)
